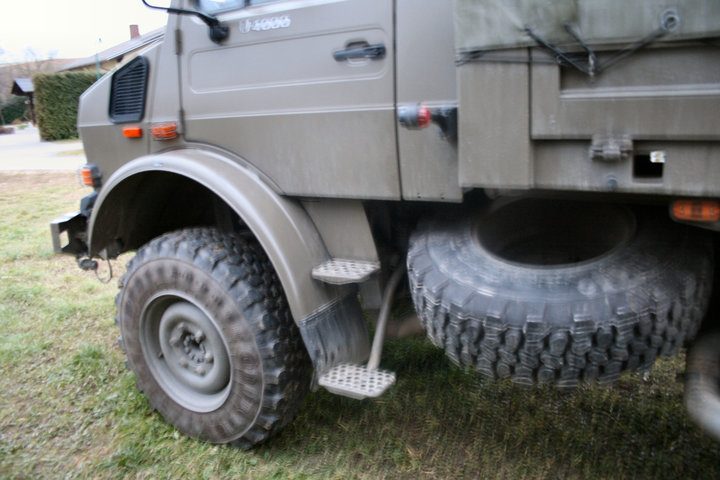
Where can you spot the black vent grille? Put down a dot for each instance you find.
(127, 96)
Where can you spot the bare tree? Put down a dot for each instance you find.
(32, 65)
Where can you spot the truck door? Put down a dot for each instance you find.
(300, 89)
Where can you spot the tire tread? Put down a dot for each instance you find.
(557, 343)
(238, 265)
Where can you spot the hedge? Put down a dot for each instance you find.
(13, 109)
(56, 102)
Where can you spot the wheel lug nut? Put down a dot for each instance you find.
(184, 363)
(175, 341)
(209, 358)
(199, 336)
(199, 370)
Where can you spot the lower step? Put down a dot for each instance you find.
(357, 381)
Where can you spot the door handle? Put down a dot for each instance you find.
(354, 52)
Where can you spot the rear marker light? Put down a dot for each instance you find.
(164, 131)
(90, 175)
(424, 117)
(696, 210)
(414, 116)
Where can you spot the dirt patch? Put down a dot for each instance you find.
(18, 181)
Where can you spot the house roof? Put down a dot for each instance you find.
(22, 86)
(118, 51)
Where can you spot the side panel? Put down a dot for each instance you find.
(494, 119)
(670, 93)
(274, 94)
(426, 73)
(163, 106)
(344, 227)
(103, 141)
(641, 119)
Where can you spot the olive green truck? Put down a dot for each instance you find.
(541, 178)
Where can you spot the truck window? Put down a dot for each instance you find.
(218, 6)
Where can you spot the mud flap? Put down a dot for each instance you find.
(336, 334)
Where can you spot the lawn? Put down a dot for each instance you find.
(70, 409)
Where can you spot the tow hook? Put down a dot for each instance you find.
(87, 264)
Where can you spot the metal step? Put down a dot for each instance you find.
(340, 272)
(357, 381)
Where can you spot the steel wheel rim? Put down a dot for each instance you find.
(186, 352)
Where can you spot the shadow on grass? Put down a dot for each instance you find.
(442, 421)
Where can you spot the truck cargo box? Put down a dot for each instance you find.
(588, 95)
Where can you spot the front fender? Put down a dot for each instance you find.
(280, 224)
(328, 316)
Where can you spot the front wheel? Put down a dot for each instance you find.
(209, 336)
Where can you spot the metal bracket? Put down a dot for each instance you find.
(75, 225)
(447, 119)
(608, 148)
(362, 381)
(415, 117)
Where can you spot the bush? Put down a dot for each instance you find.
(13, 109)
(56, 102)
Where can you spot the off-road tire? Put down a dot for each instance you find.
(553, 291)
(208, 334)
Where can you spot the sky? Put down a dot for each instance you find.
(70, 28)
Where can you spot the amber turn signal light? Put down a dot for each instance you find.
(90, 175)
(132, 132)
(164, 131)
(696, 210)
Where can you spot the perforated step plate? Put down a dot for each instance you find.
(356, 381)
(340, 272)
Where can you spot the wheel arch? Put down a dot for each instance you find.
(133, 207)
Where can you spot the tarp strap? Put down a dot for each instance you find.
(587, 63)
(591, 66)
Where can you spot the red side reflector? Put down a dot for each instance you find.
(132, 132)
(696, 210)
(164, 131)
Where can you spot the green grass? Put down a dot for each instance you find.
(70, 409)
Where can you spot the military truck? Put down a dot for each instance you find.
(546, 176)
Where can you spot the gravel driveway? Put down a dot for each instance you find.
(23, 150)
